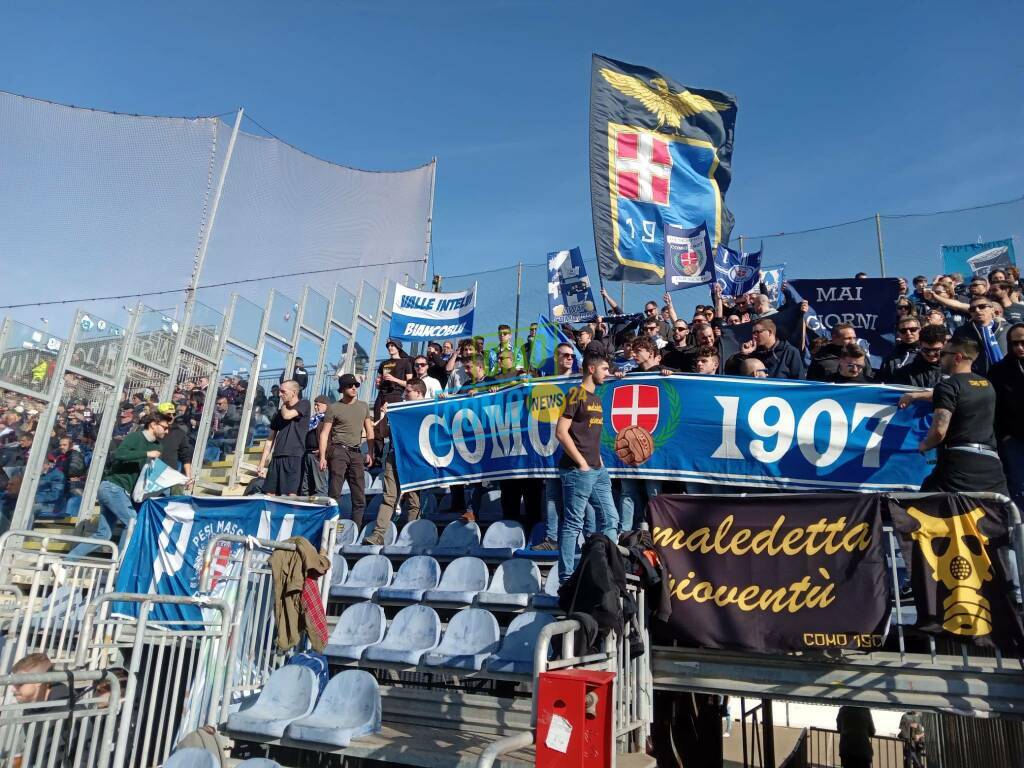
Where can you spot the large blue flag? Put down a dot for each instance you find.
(704, 429)
(737, 272)
(660, 153)
(570, 296)
(978, 258)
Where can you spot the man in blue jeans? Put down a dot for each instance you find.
(584, 477)
(115, 491)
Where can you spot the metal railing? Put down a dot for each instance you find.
(53, 595)
(822, 750)
(174, 670)
(74, 727)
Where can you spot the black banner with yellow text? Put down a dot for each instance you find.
(774, 573)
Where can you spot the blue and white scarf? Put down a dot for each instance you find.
(988, 335)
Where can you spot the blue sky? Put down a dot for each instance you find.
(844, 108)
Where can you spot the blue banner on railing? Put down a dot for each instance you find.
(424, 315)
(705, 429)
(172, 534)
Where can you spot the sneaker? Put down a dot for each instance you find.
(547, 546)
(468, 516)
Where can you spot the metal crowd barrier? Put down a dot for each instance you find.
(243, 581)
(73, 729)
(174, 670)
(52, 593)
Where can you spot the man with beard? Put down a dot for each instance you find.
(852, 368)
(826, 360)
(1007, 377)
(924, 370)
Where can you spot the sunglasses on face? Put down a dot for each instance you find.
(565, 354)
(976, 307)
(931, 350)
(912, 329)
(421, 365)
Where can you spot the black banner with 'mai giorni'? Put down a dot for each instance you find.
(774, 573)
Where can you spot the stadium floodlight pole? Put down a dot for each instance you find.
(197, 266)
(881, 248)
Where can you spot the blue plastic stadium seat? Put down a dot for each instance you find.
(416, 537)
(415, 576)
(512, 585)
(370, 549)
(192, 757)
(516, 653)
(366, 577)
(472, 636)
(347, 533)
(501, 540)
(463, 579)
(415, 630)
(259, 762)
(548, 599)
(288, 694)
(537, 535)
(339, 570)
(359, 627)
(349, 708)
(456, 540)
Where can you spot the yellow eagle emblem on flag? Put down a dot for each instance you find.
(670, 108)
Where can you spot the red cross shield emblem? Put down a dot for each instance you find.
(219, 562)
(689, 261)
(635, 404)
(643, 165)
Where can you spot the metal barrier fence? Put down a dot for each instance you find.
(232, 359)
(174, 670)
(822, 750)
(54, 594)
(74, 728)
(242, 578)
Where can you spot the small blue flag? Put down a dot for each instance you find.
(771, 279)
(570, 297)
(737, 273)
(542, 351)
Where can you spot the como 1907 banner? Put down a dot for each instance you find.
(705, 429)
(773, 573)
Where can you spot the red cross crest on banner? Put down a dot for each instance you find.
(643, 167)
(690, 262)
(219, 562)
(635, 404)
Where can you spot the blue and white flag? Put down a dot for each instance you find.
(688, 259)
(869, 305)
(722, 430)
(155, 477)
(419, 315)
(771, 280)
(570, 297)
(978, 258)
(737, 273)
(172, 534)
(544, 344)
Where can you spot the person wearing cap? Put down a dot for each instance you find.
(345, 424)
(285, 449)
(392, 374)
(314, 479)
(176, 447)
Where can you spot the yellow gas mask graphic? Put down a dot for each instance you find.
(955, 550)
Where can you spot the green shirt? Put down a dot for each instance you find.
(129, 459)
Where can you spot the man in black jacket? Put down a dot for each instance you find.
(1007, 377)
(826, 362)
(781, 359)
(908, 333)
(987, 331)
(176, 447)
(852, 368)
(925, 369)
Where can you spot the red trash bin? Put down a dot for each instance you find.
(574, 719)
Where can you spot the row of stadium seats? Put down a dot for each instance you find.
(465, 581)
(503, 539)
(472, 640)
(291, 704)
(194, 757)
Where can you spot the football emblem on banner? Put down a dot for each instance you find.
(635, 411)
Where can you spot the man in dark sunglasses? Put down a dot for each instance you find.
(987, 331)
(924, 370)
(908, 335)
(1007, 377)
